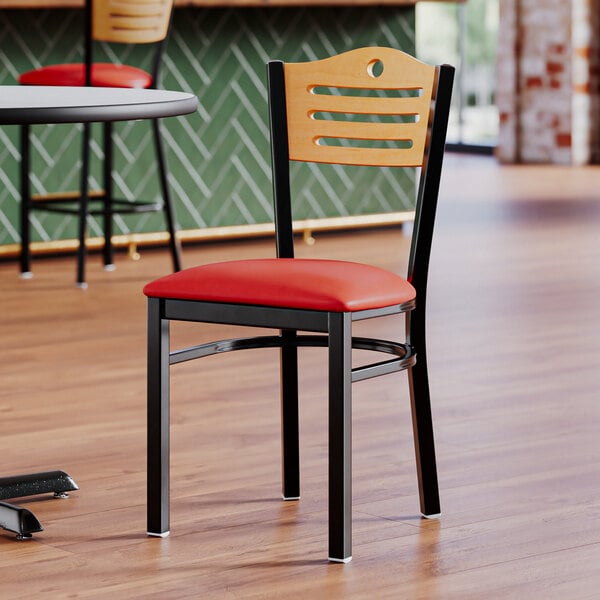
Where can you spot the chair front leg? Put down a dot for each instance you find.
(290, 459)
(418, 380)
(158, 421)
(340, 437)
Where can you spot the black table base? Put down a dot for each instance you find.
(20, 520)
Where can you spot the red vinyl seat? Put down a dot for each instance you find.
(111, 22)
(395, 115)
(290, 282)
(103, 75)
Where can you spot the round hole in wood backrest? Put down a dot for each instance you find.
(375, 68)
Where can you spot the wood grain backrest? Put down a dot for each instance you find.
(131, 21)
(368, 106)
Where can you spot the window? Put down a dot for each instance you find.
(464, 35)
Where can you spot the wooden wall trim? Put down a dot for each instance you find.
(212, 3)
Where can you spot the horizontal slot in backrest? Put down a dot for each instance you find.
(364, 107)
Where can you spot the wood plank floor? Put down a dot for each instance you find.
(515, 368)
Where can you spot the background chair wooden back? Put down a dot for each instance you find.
(130, 21)
(113, 21)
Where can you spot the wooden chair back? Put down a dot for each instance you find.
(131, 21)
(369, 106)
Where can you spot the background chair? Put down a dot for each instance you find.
(117, 21)
(329, 111)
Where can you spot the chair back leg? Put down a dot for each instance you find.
(290, 460)
(418, 381)
(340, 437)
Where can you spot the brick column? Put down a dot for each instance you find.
(507, 83)
(548, 81)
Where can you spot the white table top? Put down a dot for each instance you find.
(20, 104)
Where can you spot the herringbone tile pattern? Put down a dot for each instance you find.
(219, 157)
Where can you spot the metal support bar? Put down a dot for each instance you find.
(246, 315)
(385, 367)
(404, 352)
(122, 207)
(19, 486)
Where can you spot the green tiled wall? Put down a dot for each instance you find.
(218, 157)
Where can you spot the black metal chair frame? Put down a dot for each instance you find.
(334, 331)
(107, 204)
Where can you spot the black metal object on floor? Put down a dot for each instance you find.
(20, 520)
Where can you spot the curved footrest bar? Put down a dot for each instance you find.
(404, 352)
(19, 520)
(261, 341)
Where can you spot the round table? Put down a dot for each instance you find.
(23, 105)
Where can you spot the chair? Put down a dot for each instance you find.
(116, 21)
(316, 116)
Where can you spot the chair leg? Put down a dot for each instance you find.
(340, 437)
(289, 417)
(108, 198)
(422, 419)
(83, 205)
(174, 243)
(158, 421)
(25, 257)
